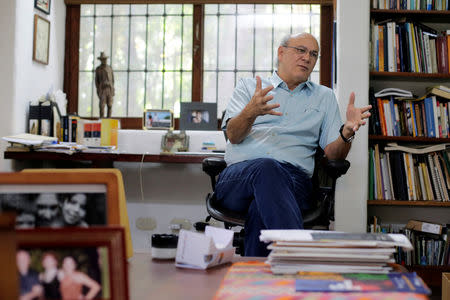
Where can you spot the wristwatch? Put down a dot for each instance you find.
(347, 140)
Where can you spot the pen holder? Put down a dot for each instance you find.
(164, 246)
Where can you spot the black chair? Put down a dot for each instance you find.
(318, 217)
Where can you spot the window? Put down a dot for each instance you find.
(150, 48)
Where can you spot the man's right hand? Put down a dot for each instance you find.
(258, 105)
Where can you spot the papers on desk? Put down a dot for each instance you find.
(201, 251)
(293, 251)
(28, 139)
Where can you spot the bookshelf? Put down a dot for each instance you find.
(400, 210)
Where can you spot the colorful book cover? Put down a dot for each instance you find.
(360, 282)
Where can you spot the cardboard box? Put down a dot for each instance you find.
(445, 286)
(201, 251)
(424, 226)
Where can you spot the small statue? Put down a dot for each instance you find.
(104, 82)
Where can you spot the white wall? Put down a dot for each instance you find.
(353, 75)
(23, 79)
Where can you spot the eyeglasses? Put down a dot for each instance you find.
(302, 51)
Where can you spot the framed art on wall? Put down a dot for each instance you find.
(41, 40)
(43, 5)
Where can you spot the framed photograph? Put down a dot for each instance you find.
(175, 142)
(157, 119)
(198, 116)
(72, 263)
(60, 199)
(43, 5)
(41, 40)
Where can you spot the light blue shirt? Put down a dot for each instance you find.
(310, 117)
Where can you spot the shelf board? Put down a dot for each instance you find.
(410, 12)
(409, 74)
(407, 203)
(419, 139)
(432, 16)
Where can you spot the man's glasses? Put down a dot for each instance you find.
(302, 51)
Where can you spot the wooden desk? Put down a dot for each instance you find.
(103, 160)
(160, 279)
(153, 279)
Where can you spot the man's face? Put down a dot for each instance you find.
(74, 208)
(47, 208)
(23, 261)
(296, 65)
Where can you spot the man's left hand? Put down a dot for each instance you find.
(355, 116)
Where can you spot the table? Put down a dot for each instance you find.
(160, 279)
(104, 160)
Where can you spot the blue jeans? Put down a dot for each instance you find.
(270, 192)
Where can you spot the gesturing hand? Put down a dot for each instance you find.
(258, 104)
(356, 116)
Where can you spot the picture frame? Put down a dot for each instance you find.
(41, 40)
(175, 142)
(95, 255)
(198, 116)
(43, 5)
(61, 198)
(157, 119)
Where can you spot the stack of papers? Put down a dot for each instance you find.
(293, 251)
(28, 139)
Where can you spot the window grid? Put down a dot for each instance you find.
(253, 70)
(146, 70)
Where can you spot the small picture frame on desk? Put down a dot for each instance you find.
(157, 119)
(72, 263)
(60, 199)
(175, 142)
(41, 40)
(198, 116)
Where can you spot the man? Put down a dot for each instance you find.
(274, 127)
(74, 210)
(30, 288)
(104, 82)
(48, 211)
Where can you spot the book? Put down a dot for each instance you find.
(30, 139)
(393, 92)
(360, 282)
(438, 92)
(416, 149)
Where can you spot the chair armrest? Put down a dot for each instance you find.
(213, 165)
(336, 168)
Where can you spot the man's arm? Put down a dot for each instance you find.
(239, 127)
(355, 119)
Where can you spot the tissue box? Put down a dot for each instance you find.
(201, 251)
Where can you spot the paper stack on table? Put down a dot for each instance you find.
(331, 251)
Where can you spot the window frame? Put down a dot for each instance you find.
(72, 45)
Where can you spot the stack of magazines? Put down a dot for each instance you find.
(293, 251)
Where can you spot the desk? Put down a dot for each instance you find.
(152, 279)
(160, 279)
(103, 160)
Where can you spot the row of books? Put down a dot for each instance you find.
(409, 47)
(102, 132)
(431, 247)
(412, 4)
(427, 116)
(399, 175)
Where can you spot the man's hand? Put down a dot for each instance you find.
(258, 105)
(355, 117)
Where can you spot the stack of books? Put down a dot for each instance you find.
(293, 251)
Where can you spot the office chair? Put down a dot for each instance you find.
(318, 217)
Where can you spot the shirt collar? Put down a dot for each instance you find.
(276, 81)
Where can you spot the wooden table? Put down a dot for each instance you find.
(160, 279)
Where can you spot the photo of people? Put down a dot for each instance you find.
(56, 209)
(75, 273)
(154, 119)
(199, 116)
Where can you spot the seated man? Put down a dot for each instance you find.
(274, 126)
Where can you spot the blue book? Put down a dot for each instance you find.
(429, 115)
(413, 118)
(395, 129)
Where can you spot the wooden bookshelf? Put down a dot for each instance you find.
(409, 74)
(408, 203)
(410, 139)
